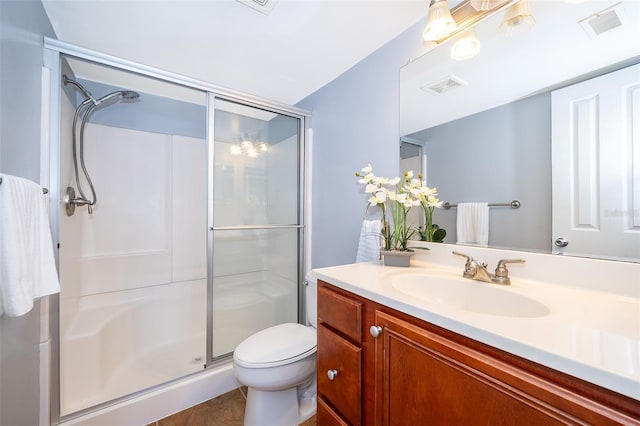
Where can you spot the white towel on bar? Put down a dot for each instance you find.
(27, 265)
(369, 244)
(473, 223)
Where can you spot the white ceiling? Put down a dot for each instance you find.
(284, 56)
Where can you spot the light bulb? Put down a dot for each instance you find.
(517, 15)
(466, 46)
(440, 23)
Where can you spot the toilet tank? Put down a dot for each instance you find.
(311, 299)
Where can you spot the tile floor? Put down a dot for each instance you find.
(225, 410)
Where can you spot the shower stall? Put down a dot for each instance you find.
(179, 227)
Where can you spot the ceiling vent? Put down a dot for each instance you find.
(604, 21)
(442, 86)
(262, 6)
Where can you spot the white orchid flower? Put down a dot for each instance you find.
(394, 181)
(392, 195)
(428, 192)
(415, 192)
(401, 198)
(378, 198)
(367, 178)
(379, 180)
(408, 174)
(367, 169)
(371, 188)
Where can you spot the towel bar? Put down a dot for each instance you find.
(44, 190)
(515, 204)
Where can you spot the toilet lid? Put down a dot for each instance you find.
(277, 345)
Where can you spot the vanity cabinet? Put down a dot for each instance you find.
(415, 373)
(339, 358)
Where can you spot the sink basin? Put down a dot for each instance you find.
(467, 295)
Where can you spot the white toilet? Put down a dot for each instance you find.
(278, 365)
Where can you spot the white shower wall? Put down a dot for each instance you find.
(133, 300)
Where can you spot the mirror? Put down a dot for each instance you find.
(486, 122)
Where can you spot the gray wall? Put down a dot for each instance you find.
(355, 121)
(496, 155)
(22, 25)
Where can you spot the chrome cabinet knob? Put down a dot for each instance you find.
(332, 374)
(561, 242)
(375, 330)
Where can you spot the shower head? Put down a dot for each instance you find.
(126, 95)
(129, 95)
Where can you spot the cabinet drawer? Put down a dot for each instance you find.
(344, 391)
(325, 416)
(340, 313)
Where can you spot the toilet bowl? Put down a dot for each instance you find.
(278, 365)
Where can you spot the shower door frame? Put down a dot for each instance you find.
(52, 53)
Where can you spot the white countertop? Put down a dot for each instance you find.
(589, 334)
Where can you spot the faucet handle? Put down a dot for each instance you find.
(501, 270)
(466, 256)
(469, 268)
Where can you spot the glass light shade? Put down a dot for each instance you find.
(440, 23)
(517, 15)
(466, 46)
(483, 5)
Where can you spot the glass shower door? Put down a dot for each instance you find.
(256, 217)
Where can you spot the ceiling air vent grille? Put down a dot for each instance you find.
(262, 6)
(445, 85)
(604, 21)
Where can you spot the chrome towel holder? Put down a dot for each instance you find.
(515, 204)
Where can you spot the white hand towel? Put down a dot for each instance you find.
(473, 223)
(369, 244)
(27, 265)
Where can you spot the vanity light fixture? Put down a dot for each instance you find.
(466, 46)
(440, 23)
(483, 5)
(517, 15)
(235, 149)
(464, 15)
(248, 147)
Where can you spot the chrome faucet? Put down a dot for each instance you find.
(478, 271)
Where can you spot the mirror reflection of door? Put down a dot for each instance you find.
(596, 165)
(413, 158)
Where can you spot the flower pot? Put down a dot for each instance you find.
(397, 257)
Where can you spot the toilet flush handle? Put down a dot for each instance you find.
(332, 374)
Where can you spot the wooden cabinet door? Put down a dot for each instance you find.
(423, 378)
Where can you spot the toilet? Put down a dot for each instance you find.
(278, 365)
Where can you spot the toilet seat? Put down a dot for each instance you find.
(278, 345)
